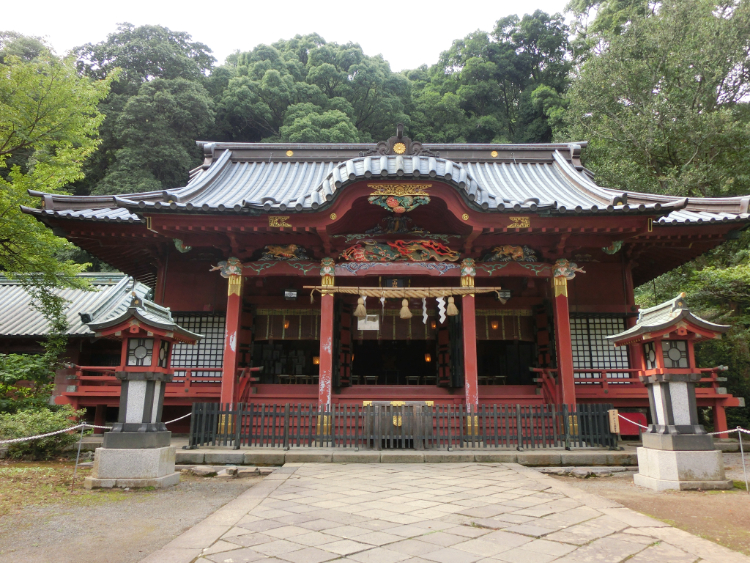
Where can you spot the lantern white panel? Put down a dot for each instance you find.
(661, 417)
(678, 391)
(155, 406)
(136, 401)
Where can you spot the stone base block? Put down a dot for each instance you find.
(157, 483)
(665, 485)
(681, 470)
(150, 463)
(678, 442)
(136, 440)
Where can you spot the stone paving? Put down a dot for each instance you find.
(429, 513)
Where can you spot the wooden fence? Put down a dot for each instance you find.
(400, 427)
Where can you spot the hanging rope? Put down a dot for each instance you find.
(402, 292)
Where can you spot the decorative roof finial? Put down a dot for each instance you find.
(400, 145)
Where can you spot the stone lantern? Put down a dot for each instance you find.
(677, 452)
(137, 452)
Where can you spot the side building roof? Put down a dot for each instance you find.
(246, 177)
(110, 297)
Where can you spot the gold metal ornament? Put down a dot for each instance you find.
(290, 153)
(494, 154)
(465, 216)
(278, 221)
(399, 189)
(333, 216)
(399, 148)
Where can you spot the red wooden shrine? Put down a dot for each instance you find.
(231, 253)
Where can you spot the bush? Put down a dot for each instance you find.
(34, 422)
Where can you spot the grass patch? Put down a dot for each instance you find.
(739, 485)
(45, 483)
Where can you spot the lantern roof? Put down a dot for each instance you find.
(658, 319)
(150, 317)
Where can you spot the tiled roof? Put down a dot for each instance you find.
(238, 177)
(110, 297)
(664, 315)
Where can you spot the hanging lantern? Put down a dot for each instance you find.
(427, 358)
(495, 325)
(316, 360)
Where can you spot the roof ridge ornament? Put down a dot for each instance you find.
(400, 145)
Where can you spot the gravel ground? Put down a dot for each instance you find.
(719, 516)
(122, 531)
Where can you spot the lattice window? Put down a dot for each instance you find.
(209, 352)
(591, 350)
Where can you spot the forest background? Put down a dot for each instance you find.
(660, 89)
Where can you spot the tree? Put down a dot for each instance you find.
(157, 129)
(665, 104)
(270, 82)
(481, 89)
(48, 127)
(143, 55)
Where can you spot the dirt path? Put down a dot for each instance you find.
(719, 516)
(112, 528)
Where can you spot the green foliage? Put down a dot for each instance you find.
(157, 129)
(48, 127)
(36, 422)
(665, 104)
(343, 90)
(482, 88)
(155, 111)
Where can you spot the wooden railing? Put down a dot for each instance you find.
(607, 381)
(400, 426)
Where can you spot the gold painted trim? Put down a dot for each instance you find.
(465, 216)
(278, 221)
(333, 216)
(399, 189)
(519, 223)
(561, 286)
(235, 285)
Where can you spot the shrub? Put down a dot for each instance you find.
(34, 422)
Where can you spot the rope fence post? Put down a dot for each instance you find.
(78, 456)
(742, 456)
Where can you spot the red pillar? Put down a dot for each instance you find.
(565, 378)
(100, 418)
(231, 339)
(468, 316)
(325, 378)
(720, 420)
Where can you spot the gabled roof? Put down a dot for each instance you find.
(258, 177)
(110, 297)
(151, 315)
(663, 316)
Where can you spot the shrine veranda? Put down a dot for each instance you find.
(260, 253)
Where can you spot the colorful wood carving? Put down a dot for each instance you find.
(396, 225)
(566, 269)
(399, 204)
(414, 251)
(284, 252)
(507, 253)
(230, 267)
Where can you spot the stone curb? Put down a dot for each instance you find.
(549, 458)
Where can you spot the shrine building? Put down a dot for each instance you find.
(456, 273)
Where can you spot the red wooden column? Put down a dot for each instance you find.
(468, 317)
(720, 419)
(565, 378)
(325, 376)
(231, 338)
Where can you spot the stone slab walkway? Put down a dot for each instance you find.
(429, 513)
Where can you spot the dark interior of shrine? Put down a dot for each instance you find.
(394, 362)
